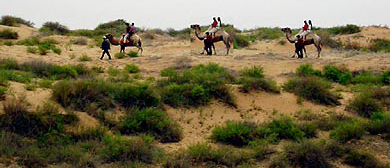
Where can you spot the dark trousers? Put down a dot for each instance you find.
(106, 52)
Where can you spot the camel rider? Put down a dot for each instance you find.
(126, 35)
(214, 27)
(305, 30)
(132, 30)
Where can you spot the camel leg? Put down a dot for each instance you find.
(227, 47)
(304, 49)
(319, 49)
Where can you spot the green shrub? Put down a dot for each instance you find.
(348, 29)
(131, 96)
(268, 33)
(307, 69)
(152, 121)
(312, 88)
(235, 133)
(379, 45)
(14, 21)
(32, 50)
(240, 41)
(281, 128)
(256, 72)
(9, 63)
(11, 143)
(364, 105)
(8, 43)
(346, 131)
(117, 149)
(266, 84)
(17, 119)
(132, 54)
(55, 27)
(306, 154)
(8, 34)
(98, 69)
(336, 74)
(3, 90)
(366, 77)
(328, 41)
(309, 128)
(31, 41)
(43, 69)
(131, 68)
(57, 50)
(169, 72)
(195, 86)
(120, 55)
(362, 159)
(42, 50)
(222, 156)
(45, 83)
(84, 57)
(82, 93)
(282, 42)
(17, 76)
(379, 124)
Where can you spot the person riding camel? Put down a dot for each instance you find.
(305, 30)
(214, 27)
(130, 31)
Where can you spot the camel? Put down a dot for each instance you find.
(311, 38)
(136, 41)
(221, 35)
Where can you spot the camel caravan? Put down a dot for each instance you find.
(216, 33)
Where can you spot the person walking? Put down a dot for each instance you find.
(105, 47)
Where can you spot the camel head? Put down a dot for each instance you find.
(109, 36)
(286, 30)
(195, 26)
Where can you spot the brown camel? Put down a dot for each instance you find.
(222, 35)
(135, 41)
(311, 38)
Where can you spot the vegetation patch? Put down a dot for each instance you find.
(54, 28)
(195, 86)
(253, 79)
(312, 88)
(8, 34)
(152, 121)
(8, 20)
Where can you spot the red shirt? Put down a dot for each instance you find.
(301, 42)
(306, 27)
(209, 38)
(214, 24)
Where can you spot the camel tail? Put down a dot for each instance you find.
(140, 43)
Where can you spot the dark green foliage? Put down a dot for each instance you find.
(205, 155)
(17, 119)
(8, 34)
(333, 73)
(115, 27)
(362, 159)
(348, 29)
(2, 91)
(14, 21)
(281, 128)
(346, 131)
(380, 45)
(131, 68)
(8, 43)
(17, 76)
(306, 154)
(10, 143)
(253, 79)
(379, 124)
(307, 69)
(182, 34)
(169, 72)
(235, 133)
(54, 27)
(152, 121)
(312, 88)
(367, 77)
(309, 128)
(195, 86)
(9, 63)
(81, 93)
(31, 41)
(240, 41)
(43, 69)
(117, 149)
(120, 55)
(135, 95)
(132, 54)
(365, 105)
